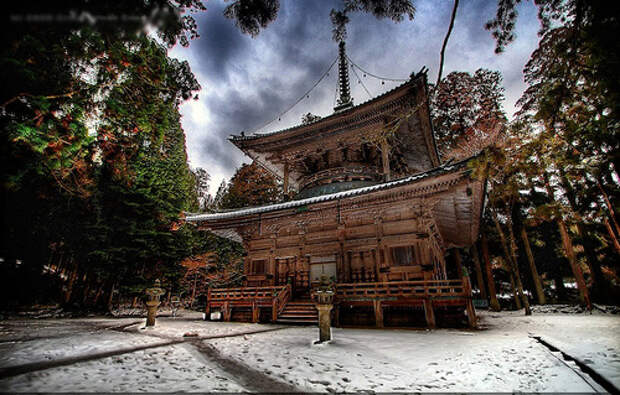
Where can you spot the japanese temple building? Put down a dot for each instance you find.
(375, 210)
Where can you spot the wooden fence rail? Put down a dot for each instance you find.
(402, 289)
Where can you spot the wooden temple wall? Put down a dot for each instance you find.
(360, 242)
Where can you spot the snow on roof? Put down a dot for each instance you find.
(324, 198)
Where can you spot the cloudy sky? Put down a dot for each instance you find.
(247, 82)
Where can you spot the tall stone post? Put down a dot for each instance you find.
(153, 302)
(325, 322)
(324, 297)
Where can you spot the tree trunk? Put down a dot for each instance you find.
(567, 243)
(515, 295)
(540, 293)
(169, 297)
(493, 303)
(513, 245)
(612, 235)
(574, 265)
(478, 268)
(610, 207)
(599, 284)
(134, 302)
(98, 294)
(560, 289)
(86, 292)
(72, 279)
(191, 303)
(512, 266)
(445, 41)
(111, 297)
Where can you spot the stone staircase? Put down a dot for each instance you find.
(299, 312)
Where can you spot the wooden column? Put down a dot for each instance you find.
(274, 310)
(356, 266)
(429, 313)
(385, 158)
(469, 304)
(336, 313)
(255, 312)
(343, 270)
(376, 304)
(285, 178)
(226, 311)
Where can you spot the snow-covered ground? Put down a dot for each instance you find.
(501, 356)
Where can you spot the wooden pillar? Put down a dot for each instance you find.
(255, 312)
(274, 310)
(385, 158)
(285, 177)
(469, 304)
(471, 314)
(226, 311)
(347, 267)
(356, 265)
(343, 270)
(429, 313)
(336, 313)
(375, 258)
(376, 304)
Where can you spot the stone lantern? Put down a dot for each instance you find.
(324, 299)
(153, 302)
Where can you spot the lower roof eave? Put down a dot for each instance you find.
(227, 221)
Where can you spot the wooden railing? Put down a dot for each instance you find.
(280, 300)
(402, 289)
(245, 293)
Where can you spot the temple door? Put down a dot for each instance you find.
(322, 265)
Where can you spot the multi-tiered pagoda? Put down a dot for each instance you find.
(375, 211)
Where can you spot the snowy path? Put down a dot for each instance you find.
(56, 362)
(502, 357)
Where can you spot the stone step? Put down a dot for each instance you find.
(297, 315)
(308, 308)
(301, 312)
(297, 322)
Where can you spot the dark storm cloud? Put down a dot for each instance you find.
(248, 81)
(220, 43)
(288, 67)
